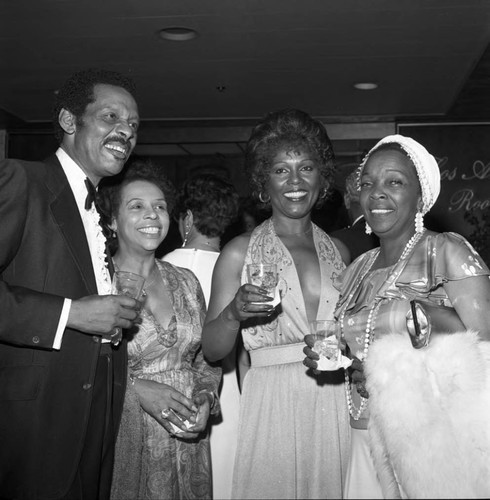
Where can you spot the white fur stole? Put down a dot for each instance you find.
(429, 424)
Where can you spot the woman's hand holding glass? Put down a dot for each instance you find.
(169, 407)
(251, 301)
(189, 428)
(255, 298)
(316, 349)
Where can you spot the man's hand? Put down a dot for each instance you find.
(102, 314)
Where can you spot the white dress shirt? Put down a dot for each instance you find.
(95, 238)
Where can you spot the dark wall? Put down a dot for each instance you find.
(30, 146)
(463, 154)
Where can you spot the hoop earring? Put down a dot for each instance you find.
(324, 194)
(261, 198)
(419, 222)
(368, 229)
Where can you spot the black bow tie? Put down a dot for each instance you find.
(91, 194)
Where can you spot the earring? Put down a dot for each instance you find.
(368, 229)
(186, 233)
(324, 194)
(419, 222)
(261, 198)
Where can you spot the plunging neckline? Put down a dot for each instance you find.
(167, 336)
(296, 275)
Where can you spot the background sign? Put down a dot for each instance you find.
(462, 151)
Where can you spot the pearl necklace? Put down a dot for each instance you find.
(355, 412)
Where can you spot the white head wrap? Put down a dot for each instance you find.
(425, 165)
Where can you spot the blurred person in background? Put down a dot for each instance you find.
(354, 236)
(249, 217)
(206, 206)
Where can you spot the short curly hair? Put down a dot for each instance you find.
(78, 92)
(290, 128)
(109, 192)
(213, 202)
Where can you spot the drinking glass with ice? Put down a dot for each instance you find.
(263, 275)
(126, 283)
(327, 339)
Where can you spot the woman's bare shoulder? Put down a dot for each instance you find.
(237, 247)
(343, 250)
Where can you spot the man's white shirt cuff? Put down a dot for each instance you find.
(62, 324)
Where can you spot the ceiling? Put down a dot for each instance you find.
(252, 56)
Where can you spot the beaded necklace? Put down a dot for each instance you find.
(355, 412)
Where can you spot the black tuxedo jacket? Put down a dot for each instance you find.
(45, 394)
(356, 239)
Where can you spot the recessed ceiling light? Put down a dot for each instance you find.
(177, 34)
(365, 86)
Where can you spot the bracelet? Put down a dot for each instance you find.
(132, 378)
(227, 323)
(213, 397)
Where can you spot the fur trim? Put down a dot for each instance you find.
(429, 421)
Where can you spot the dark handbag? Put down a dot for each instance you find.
(425, 318)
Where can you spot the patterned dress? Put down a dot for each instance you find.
(435, 260)
(293, 436)
(224, 427)
(149, 463)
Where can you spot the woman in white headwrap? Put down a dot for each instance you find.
(419, 415)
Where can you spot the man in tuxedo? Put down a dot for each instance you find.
(62, 380)
(354, 236)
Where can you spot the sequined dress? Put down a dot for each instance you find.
(150, 464)
(293, 432)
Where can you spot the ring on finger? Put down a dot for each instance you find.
(165, 413)
(244, 307)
